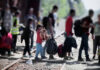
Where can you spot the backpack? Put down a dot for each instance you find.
(77, 28)
(51, 46)
(61, 51)
(45, 21)
(69, 43)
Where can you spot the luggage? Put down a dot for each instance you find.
(6, 41)
(61, 51)
(51, 46)
(77, 28)
(69, 43)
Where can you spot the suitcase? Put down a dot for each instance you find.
(61, 51)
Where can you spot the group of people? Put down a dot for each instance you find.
(9, 31)
(10, 24)
(87, 26)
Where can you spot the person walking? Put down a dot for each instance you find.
(15, 30)
(40, 38)
(86, 25)
(68, 30)
(26, 36)
(33, 25)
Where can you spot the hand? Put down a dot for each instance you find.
(92, 26)
(71, 34)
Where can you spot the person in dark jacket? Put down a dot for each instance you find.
(33, 25)
(26, 37)
(86, 25)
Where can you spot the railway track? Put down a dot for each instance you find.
(44, 64)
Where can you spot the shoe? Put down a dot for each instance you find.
(66, 58)
(32, 49)
(30, 56)
(44, 57)
(70, 57)
(93, 57)
(37, 59)
(80, 59)
(98, 62)
(88, 59)
(24, 56)
(51, 57)
(10, 55)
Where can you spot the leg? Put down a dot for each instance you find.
(37, 50)
(81, 48)
(44, 49)
(99, 54)
(51, 56)
(94, 47)
(14, 42)
(27, 48)
(99, 50)
(2, 51)
(9, 52)
(86, 46)
(70, 50)
(99, 59)
(41, 51)
(32, 36)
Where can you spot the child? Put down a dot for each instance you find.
(45, 37)
(40, 38)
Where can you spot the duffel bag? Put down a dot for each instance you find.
(51, 46)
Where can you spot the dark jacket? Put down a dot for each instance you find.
(26, 33)
(88, 21)
(52, 17)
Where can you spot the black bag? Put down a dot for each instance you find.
(51, 46)
(77, 28)
(45, 22)
(69, 43)
(61, 51)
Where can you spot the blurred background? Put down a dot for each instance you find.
(43, 7)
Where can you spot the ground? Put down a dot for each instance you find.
(58, 63)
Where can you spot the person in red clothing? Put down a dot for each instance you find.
(68, 30)
(69, 23)
(40, 38)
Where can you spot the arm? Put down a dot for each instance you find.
(84, 25)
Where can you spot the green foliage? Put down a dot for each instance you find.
(63, 5)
